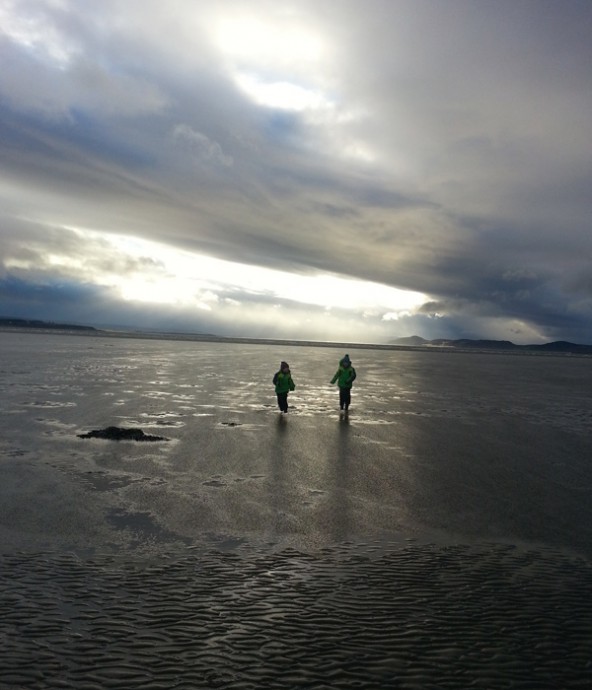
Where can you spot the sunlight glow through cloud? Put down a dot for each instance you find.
(272, 60)
(256, 43)
(178, 277)
(282, 94)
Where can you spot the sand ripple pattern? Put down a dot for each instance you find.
(410, 616)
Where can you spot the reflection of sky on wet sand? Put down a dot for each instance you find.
(339, 503)
(480, 446)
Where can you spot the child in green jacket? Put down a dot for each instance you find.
(345, 376)
(283, 383)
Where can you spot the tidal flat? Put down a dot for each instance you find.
(439, 536)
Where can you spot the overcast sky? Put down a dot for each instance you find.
(335, 170)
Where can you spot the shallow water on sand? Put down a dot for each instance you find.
(440, 535)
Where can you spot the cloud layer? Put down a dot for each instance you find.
(432, 159)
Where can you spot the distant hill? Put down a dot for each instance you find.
(414, 341)
(45, 325)
(467, 344)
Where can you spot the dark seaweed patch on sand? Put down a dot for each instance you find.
(418, 616)
(115, 433)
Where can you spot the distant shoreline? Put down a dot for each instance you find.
(87, 331)
(198, 337)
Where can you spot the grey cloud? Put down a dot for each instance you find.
(59, 92)
(27, 251)
(520, 275)
(202, 148)
(125, 118)
(433, 308)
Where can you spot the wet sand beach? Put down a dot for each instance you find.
(440, 536)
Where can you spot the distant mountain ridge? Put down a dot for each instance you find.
(45, 325)
(467, 344)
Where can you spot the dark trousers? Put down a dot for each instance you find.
(344, 398)
(283, 401)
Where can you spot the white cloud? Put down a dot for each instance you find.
(32, 27)
(201, 147)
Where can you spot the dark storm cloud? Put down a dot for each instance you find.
(64, 299)
(437, 147)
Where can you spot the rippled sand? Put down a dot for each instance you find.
(413, 616)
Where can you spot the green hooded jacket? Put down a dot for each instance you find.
(283, 382)
(345, 375)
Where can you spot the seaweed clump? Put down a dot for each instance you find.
(116, 433)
